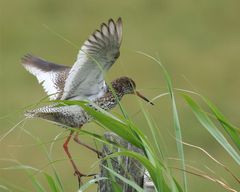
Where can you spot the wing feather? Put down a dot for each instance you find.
(96, 56)
(52, 76)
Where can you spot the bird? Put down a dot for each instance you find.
(83, 81)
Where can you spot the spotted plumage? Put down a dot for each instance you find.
(74, 116)
(84, 80)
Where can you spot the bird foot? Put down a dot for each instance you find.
(80, 175)
(99, 154)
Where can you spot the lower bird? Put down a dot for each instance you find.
(83, 81)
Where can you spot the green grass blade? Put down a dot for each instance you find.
(211, 128)
(123, 128)
(175, 187)
(179, 188)
(13, 187)
(152, 128)
(37, 185)
(175, 116)
(128, 131)
(232, 131)
(160, 179)
(11, 130)
(115, 186)
(51, 183)
(91, 182)
(49, 156)
(41, 144)
(129, 182)
(109, 121)
(154, 173)
(142, 159)
(4, 188)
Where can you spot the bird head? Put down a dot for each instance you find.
(127, 86)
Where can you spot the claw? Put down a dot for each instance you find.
(80, 175)
(99, 154)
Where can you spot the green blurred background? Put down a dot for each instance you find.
(197, 41)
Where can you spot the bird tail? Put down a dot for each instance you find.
(30, 114)
(40, 112)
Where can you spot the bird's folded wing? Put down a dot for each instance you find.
(96, 56)
(52, 76)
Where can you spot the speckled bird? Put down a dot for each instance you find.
(83, 81)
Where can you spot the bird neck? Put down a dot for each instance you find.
(113, 94)
(116, 89)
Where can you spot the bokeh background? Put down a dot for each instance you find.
(197, 41)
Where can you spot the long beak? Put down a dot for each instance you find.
(144, 98)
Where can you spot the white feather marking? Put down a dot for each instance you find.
(99, 35)
(91, 38)
(46, 79)
(105, 30)
(112, 28)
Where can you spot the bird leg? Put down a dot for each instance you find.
(76, 171)
(76, 139)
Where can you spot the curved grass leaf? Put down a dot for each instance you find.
(91, 182)
(108, 120)
(176, 121)
(37, 185)
(155, 174)
(159, 166)
(114, 184)
(12, 187)
(128, 131)
(41, 144)
(211, 128)
(129, 182)
(232, 131)
(4, 188)
(51, 183)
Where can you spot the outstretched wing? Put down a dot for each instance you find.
(96, 56)
(52, 76)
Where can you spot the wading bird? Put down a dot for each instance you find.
(83, 81)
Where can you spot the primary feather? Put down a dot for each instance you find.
(96, 56)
